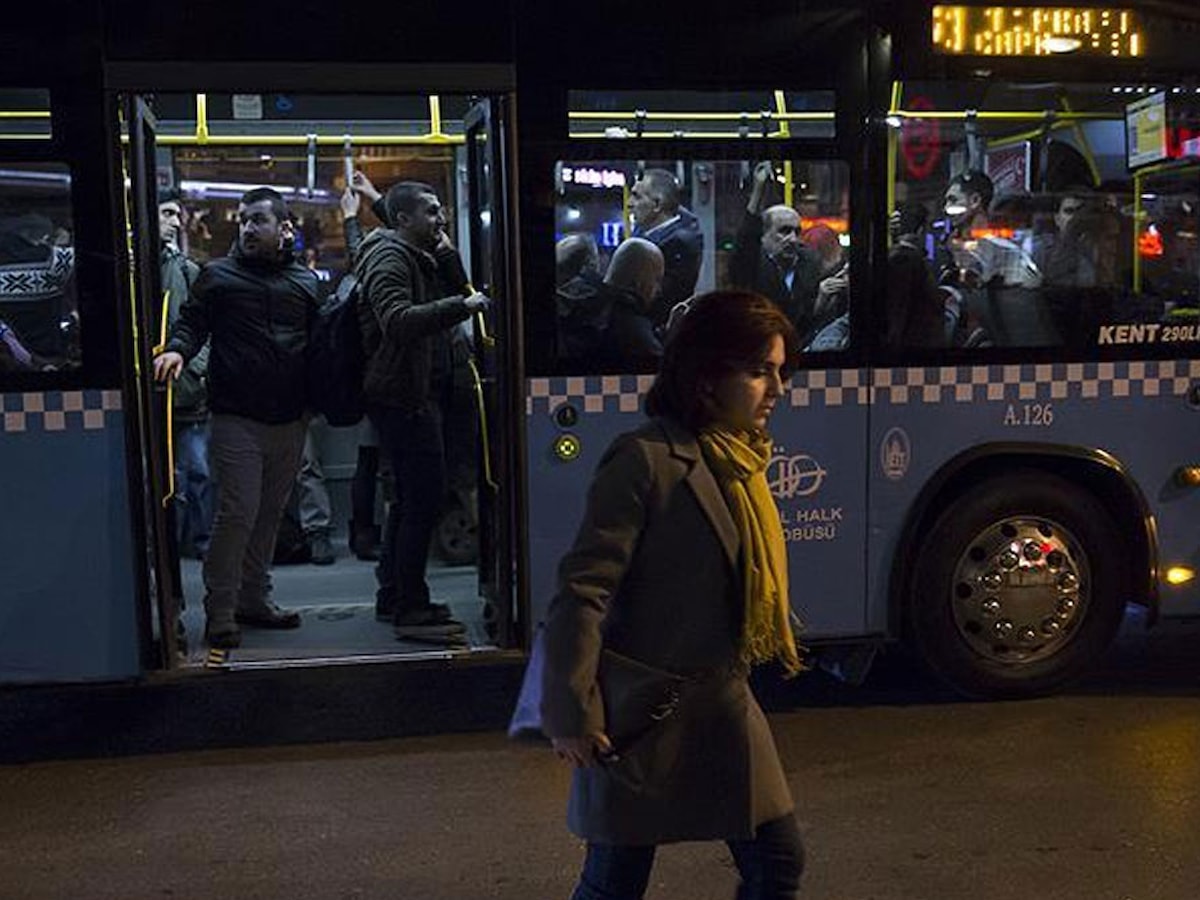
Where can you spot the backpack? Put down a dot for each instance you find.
(336, 357)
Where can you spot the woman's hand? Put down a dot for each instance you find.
(582, 751)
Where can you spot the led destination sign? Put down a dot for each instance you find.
(1037, 31)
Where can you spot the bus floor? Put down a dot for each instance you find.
(337, 608)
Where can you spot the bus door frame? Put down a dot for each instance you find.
(495, 81)
(493, 272)
(153, 401)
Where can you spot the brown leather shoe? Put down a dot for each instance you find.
(270, 616)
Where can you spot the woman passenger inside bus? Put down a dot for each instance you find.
(676, 585)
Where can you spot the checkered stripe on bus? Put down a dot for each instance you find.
(931, 384)
(1034, 382)
(58, 411)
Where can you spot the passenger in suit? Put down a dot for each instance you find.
(769, 257)
(680, 566)
(659, 217)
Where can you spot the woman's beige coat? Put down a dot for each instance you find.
(653, 574)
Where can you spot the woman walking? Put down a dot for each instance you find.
(676, 585)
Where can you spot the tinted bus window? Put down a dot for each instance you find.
(38, 309)
(634, 240)
(1014, 218)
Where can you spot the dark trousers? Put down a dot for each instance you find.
(256, 466)
(770, 865)
(415, 445)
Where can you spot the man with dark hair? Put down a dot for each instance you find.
(193, 486)
(995, 274)
(416, 296)
(916, 314)
(968, 197)
(769, 257)
(654, 206)
(255, 307)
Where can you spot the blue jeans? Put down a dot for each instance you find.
(770, 865)
(415, 446)
(193, 486)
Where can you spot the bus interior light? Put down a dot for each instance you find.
(1180, 575)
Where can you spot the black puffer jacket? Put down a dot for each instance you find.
(406, 315)
(257, 315)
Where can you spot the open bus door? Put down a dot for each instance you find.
(488, 244)
(153, 401)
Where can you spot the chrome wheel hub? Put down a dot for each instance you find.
(1020, 590)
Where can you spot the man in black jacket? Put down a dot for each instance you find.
(770, 259)
(416, 296)
(255, 307)
(659, 218)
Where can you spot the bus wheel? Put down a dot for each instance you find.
(1017, 588)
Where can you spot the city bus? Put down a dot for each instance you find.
(994, 488)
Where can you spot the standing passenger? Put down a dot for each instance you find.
(659, 218)
(189, 415)
(408, 274)
(680, 567)
(255, 307)
(770, 259)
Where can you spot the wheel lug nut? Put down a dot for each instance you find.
(1066, 606)
(1027, 635)
(1009, 559)
(1067, 581)
(1050, 627)
(1033, 551)
(991, 607)
(993, 581)
(1054, 559)
(1004, 628)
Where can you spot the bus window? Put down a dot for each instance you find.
(1012, 216)
(38, 311)
(633, 240)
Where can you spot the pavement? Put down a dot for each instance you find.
(904, 792)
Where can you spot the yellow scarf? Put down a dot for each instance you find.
(739, 462)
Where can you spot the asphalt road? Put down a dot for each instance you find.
(904, 793)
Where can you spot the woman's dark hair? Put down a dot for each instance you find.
(722, 332)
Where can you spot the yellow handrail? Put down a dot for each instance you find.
(287, 140)
(696, 135)
(202, 118)
(789, 188)
(996, 115)
(702, 116)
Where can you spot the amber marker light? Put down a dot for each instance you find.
(1180, 575)
(1188, 476)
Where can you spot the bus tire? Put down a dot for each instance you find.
(1017, 588)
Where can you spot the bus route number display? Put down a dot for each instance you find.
(1037, 31)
